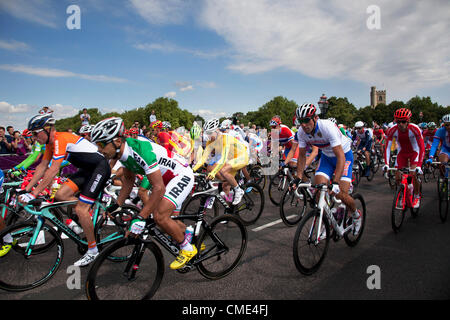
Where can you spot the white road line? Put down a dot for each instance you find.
(267, 225)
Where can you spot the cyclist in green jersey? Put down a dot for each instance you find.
(170, 179)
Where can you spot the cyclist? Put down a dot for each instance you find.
(85, 131)
(442, 136)
(230, 155)
(410, 146)
(365, 137)
(429, 134)
(36, 152)
(170, 178)
(285, 138)
(90, 179)
(337, 156)
(196, 143)
(172, 141)
(7, 240)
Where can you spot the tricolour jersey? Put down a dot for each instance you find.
(326, 135)
(73, 148)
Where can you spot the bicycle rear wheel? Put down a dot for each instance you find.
(136, 278)
(225, 242)
(21, 273)
(252, 204)
(197, 202)
(292, 208)
(398, 209)
(351, 237)
(311, 244)
(256, 173)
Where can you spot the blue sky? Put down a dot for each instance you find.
(216, 57)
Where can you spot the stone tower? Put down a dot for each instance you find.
(377, 97)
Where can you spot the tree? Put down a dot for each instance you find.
(342, 110)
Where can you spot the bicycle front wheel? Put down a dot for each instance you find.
(21, 272)
(292, 208)
(311, 244)
(278, 183)
(398, 209)
(221, 247)
(136, 278)
(252, 204)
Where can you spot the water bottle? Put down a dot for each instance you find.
(55, 187)
(73, 226)
(188, 234)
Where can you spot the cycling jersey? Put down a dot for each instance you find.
(326, 136)
(174, 142)
(365, 138)
(441, 136)
(144, 157)
(36, 150)
(228, 150)
(94, 170)
(410, 146)
(379, 134)
(285, 137)
(428, 136)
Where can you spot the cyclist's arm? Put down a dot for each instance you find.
(421, 144)
(158, 191)
(312, 156)
(48, 177)
(209, 148)
(224, 142)
(32, 158)
(127, 185)
(434, 146)
(301, 162)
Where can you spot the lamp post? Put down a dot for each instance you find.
(323, 104)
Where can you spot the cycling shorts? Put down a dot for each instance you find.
(90, 182)
(327, 166)
(179, 188)
(362, 145)
(445, 150)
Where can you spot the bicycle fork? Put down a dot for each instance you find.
(133, 264)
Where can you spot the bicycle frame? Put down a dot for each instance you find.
(407, 199)
(44, 213)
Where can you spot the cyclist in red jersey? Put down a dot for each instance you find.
(285, 138)
(379, 136)
(428, 135)
(411, 148)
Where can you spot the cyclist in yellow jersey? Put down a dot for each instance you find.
(230, 156)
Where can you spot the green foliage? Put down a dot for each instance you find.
(340, 108)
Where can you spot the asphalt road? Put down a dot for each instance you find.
(413, 264)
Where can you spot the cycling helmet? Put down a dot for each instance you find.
(359, 124)
(156, 124)
(306, 110)
(402, 114)
(195, 131)
(226, 124)
(27, 133)
(333, 120)
(446, 118)
(166, 124)
(40, 121)
(431, 124)
(134, 131)
(107, 129)
(86, 129)
(276, 120)
(211, 125)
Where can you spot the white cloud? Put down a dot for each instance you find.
(6, 107)
(331, 40)
(168, 47)
(162, 12)
(58, 73)
(35, 11)
(184, 86)
(210, 114)
(170, 94)
(13, 45)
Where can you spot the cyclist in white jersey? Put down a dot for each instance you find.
(337, 158)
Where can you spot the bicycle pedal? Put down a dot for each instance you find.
(186, 268)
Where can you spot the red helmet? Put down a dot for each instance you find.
(27, 133)
(402, 114)
(276, 120)
(156, 124)
(134, 131)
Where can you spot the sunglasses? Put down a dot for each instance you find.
(402, 121)
(304, 120)
(36, 132)
(103, 144)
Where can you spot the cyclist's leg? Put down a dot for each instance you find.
(443, 157)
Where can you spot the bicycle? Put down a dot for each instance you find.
(443, 191)
(293, 204)
(360, 161)
(315, 229)
(221, 241)
(279, 182)
(248, 210)
(403, 198)
(38, 247)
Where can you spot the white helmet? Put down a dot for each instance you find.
(166, 124)
(86, 129)
(107, 129)
(226, 124)
(446, 118)
(359, 124)
(333, 120)
(211, 125)
(306, 110)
